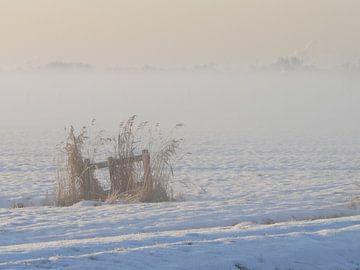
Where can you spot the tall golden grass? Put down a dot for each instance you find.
(127, 180)
(70, 175)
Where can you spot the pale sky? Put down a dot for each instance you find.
(178, 32)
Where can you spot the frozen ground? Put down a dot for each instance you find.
(246, 202)
(268, 185)
(170, 236)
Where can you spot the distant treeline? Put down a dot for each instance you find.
(67, 65)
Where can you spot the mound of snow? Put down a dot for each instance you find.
(87, 203)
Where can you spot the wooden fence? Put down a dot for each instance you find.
(112, 163)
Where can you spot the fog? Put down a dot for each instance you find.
(219, 102)
(177, 32)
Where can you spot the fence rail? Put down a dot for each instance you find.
(112, 163)
(115, 161)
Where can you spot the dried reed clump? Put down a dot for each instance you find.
(113, 197)
(71, 184)
(131, 180)
(157, 188)
(133, 177)
(125, 177)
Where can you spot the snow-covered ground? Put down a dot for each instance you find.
(270, 182)
(170, 236)
(245, 202)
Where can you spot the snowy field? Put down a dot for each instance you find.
(283, 205)
(247, 200)
(170, 236)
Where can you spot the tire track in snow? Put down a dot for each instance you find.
(41, 254)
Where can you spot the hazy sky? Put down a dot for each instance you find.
(177, 32)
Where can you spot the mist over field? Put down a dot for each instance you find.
(258, 102)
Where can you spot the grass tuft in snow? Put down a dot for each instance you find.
(130, 182)
(127, 179)
(71, 170)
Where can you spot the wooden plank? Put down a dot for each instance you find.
(100, 165)
(137, 158)
(111, 173)
(105, 164)
(147, 169)
(87, 180)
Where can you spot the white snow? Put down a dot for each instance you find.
(250, 200)
(170, 236)
(4, 203)
(278, 205)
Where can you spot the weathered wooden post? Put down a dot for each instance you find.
(87, 179)
(147, 168)
(111, 173)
